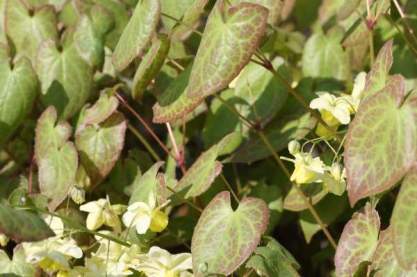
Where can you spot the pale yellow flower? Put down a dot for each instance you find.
(335, 179)
(101, 212)
(334, 110)
(160, 263)
(4, 240)
(144, 216)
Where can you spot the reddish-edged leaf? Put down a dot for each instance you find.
(358, 241)
(224, 238)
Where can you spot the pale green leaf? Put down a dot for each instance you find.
(358, 241)
(273, 6)
(373, 166)
(315, 192)
(21, 225)
(224, 238)
(17, 265)
(66, 78)
(145, 185)
(28, 32)
(137, 34)
(18, 89)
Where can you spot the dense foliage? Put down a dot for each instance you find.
(173, 138)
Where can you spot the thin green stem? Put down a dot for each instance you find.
(371, 47)
(191, 204)
(229, 186)
(145, 143)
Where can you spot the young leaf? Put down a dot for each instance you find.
(66, 78)
(29, 31)
(294, 202)
(56, 157)
(100, 146)
(224, 238)
(18, 88)
(323, 57)
(231, 36)
(373, 166)
(377, 78)
(150, 65)
(22, 225)
(189, 19)
(403, 221)
(358, 241)
(137, 34)
(145, 185)
(17, 265)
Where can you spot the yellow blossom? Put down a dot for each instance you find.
(101, 212)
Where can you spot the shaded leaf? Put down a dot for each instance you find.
(66, 78)
(223, 232)
(18, 89)
(150, 65)
(373, 166)
(137, 33)
(403, 222)
(358, 241)
(28, 32)
(56, 157)
(230, 38)
(21, 225)
(294, 202)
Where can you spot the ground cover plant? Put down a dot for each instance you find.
(173, 138)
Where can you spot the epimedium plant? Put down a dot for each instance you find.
(170, 138)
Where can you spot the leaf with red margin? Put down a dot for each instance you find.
(231, 36)
(403, 222)
(358, 241)
(381, 141)
(224, 238)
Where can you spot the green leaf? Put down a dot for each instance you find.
(403, 221)
(105, 106)
(145, 185)
(66, 78)
(100, 145)
(373, 166)
(231, 36)
(323, 57)
(28, 32)
(377, 78)
(358, 241)
(384, 262)
(21, 225)
(17, 265)
(273, 260)
(314, 191)
(56, 157)
(279, 132)
(150, 65)
(224, 238)
(189, 19)
(137, 34)
(273, 6)
(18, 88)
(204, 170)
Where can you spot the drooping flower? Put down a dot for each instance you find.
(335, 179)
(334, 110)
(144, 216)
(355, 97)
(101, 212)
(160, 263)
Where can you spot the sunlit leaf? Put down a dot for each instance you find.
(231, 36)
(373, 166)
(17, 264)
(22, 225)
(403, 221)
(29, 31)
(18, 88)
(66, 78)
(137, 34)
(273, 6)
(150, 65)
(56, 157)
(145, 185)
(223, 232)
(358, 241)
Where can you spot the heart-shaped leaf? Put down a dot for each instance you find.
(190, 19)
(137, 34)
(56, 157)
(231, 36)
(384, 262)
(22, 225)
(403, 221)
(100, 146)
(324, 57)
(66, 78)
(150, 65)
(358, 241)
(29, 31)
(224, 238)
(205, 169)
(373, 166)
(16, 265)
(18, 89)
